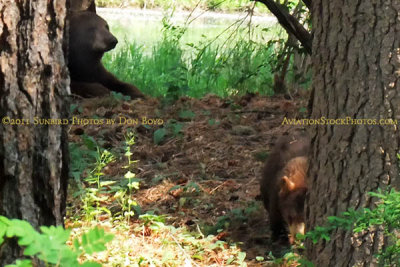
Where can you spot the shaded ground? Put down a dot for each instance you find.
(205, 174)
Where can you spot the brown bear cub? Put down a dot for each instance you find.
(283, 186)
(89, 38)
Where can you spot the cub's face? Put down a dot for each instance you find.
(292, 209)
(292, 194)
(90, 33)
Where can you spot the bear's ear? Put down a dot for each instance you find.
(287, 184)
(92, 7)
(82, 5)
(89, 5)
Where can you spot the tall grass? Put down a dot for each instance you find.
(215, 5)
(225, 69)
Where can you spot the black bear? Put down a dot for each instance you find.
(89, 38)
(283, 186)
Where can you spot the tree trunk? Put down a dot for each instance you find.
(356, 74)
(33, 84)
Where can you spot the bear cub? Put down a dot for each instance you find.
(89, 39)
(283, 186)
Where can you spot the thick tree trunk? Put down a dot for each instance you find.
(356, 74)
(33, 83)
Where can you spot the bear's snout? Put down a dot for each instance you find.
(112, 42)
(109, 42)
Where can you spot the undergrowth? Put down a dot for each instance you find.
(385, 217)
(140, 239)
(173, 68)
(214, 5)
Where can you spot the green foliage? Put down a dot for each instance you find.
(103, 158)
(120, 97)
(235, 216)
(125, 196)
(92, 197)
(261, 155)
(96, 190)
(81, 156)
(290, 258)
(154, 222)
(215, 5)
(171, 70)
(385, 215)
(50, 245)
(189, 187)
(187, 114)
(159, 135)
(171, 129)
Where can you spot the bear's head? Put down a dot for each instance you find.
(89, 34)
(293, 190)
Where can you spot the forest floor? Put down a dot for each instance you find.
(203, 173)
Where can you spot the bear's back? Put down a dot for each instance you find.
(286, 148)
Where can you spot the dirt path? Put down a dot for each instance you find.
(212, 162)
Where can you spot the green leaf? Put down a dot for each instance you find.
(176, 128)
(133, 185)
(303, 110)
(21, 263)
(159, 136)
(57, 234)
(77, 245)
(89, 142)
(174, 188)
(259, 258)
(107, 183)
(129, 175)
(241, 256)
(186, 114)
(95, 240)
(230, 260)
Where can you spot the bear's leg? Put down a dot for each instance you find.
(86, 89)
(277, 224)
(112, 83)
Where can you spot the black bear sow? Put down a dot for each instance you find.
(283, 185)
(89, 38)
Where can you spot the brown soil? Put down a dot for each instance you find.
(212, 166)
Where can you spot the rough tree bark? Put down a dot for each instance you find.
(33, 83)
(356, 74)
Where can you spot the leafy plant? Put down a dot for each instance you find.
(82, 155)
(385, 215)
(50, 245)
(133, 184)
(92, 197)
(154, 222)
(186, 114)
(290, 258)
(171, 129)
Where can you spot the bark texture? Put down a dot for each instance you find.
(33, 83)
(356, 74)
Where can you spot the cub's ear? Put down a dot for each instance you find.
(287, 184)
